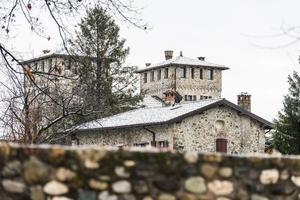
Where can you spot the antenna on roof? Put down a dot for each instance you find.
(180, 53)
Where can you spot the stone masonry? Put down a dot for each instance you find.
(189, 77)
(185, 86)
(195, 133)
(56, 173)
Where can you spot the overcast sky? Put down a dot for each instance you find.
(227, 32)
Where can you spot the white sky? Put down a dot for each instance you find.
(219, 30)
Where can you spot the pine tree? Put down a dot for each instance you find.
(287, 126)
(108, 87)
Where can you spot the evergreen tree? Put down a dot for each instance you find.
(107, 86)
(287, 126)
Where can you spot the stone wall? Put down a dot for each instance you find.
(56, 173)
(198, 132)
(126, 136)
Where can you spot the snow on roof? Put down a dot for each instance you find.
(147, 115)
(149, 101)
(182, 60)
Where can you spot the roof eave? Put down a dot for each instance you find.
(266, 124)
(172, 64)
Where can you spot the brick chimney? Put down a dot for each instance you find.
(168, 54)
(244, 100)
(171, 97)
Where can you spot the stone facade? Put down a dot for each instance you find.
(199, 132)
(193, 86)
(127, 137)
(56, 173)
(194, 133)
(220, 127)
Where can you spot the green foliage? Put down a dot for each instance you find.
(287, 126)
(108, 86)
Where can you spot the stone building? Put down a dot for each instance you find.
(200, 121)
(52, 87)
(194, 79)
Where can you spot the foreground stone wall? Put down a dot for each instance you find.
(57, 173)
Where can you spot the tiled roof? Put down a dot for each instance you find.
(156, 115)
(182, 60)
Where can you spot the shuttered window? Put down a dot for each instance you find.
(221, 145)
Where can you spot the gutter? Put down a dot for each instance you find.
(153, 143)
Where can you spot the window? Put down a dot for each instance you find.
(210, 74)
(166, 73)
(159, 74)
(194, 98)
(201, 73)
(188, 97)
(192, 72)
(35, 66)
(205, 97)
(183, 72)
(43, 66)
(69, 64)
(142, 144)
(74, 140)
(221, 145)
(152, 76)
(163, 144)
(145, 77)
(50, 63)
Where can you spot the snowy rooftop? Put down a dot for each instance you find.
(182, 60)
(147, 116)
(155, 114)
(149, 101)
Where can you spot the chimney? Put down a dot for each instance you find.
(147, 64)
(46, 51)
(201, 58)
(171, 97)
(168, 54)
(244, 101)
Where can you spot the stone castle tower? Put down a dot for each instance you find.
(193, 79)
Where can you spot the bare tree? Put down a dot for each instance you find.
(31, 91)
